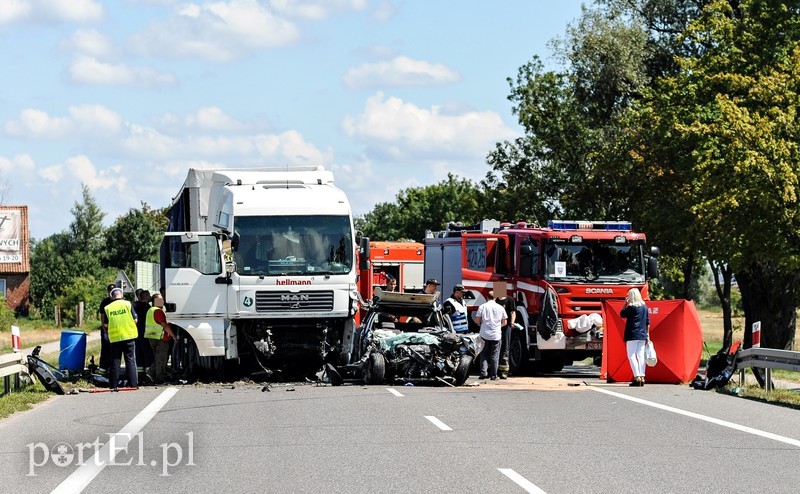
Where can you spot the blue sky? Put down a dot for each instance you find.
(126, 95)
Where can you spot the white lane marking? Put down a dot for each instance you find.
(81, 477)
(521, 481)
(438, 423)
(395, 392)
(723, 423)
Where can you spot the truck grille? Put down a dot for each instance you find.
(288, 301)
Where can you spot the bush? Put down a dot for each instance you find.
(83, 289)
(7, 317)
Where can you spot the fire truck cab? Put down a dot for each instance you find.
(402, 260)
(558, 276)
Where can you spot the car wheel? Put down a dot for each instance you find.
(462, 371)
(374, 368)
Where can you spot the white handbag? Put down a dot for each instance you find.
(650, 357)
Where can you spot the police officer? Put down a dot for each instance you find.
(122, 334)
(455, 308)
(105, 345)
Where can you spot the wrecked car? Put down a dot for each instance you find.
(406, 338)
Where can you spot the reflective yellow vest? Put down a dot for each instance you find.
(152, 329)
(121, 326)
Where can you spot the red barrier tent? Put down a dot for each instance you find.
(675, 332)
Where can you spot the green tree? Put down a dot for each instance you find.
(49, 271)
(73, 254)
(418, 209)
(135, 236)
(86, 229)
(728, 120)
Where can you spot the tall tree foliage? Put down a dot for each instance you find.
(421, 208)
(719, 138)
(135, 236)
(73, 254)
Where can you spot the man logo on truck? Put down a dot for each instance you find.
(294, 298)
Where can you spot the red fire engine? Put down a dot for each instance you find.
(558, 276)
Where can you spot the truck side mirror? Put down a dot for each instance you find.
(364, 254)
(652, 268)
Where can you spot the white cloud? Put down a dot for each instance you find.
(400, 71)
(315, 9)
(145, 143)
(88, 70)
(212, 119)
(215, 31)
(52, 173)
(14, 10)
(84, 120)
(392, 128)
(19, 163)
(49, 11)
(384, 11)
(88, 42)
(81, 167)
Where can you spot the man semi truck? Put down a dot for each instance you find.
(258, 267)
(558, 276)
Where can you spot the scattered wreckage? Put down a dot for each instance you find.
(405, 337)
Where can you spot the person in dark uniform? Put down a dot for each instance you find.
(144, 353)
(105, 345)
(510, 307)
(431, 285)
(122, 334)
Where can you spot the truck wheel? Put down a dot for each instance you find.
(462, 371)
(518, 355)
(185, 358)
(374, 369)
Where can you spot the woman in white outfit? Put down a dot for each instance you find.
(637, 332)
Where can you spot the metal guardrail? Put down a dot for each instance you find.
(767, 359)
(12, 364)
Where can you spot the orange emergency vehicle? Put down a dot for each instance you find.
(402, 260)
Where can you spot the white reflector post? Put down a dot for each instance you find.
(755, 337)
(15, 340)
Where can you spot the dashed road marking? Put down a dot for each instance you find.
(395, 392)
(438, 423)
(521, 481)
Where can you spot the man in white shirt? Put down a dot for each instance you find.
(491, 317)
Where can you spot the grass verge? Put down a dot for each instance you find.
(782, 397)
(18, 401)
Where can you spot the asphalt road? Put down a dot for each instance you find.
(550, 435)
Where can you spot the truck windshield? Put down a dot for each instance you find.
(283, 245)
(594, 260)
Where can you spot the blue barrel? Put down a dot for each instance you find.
(73, 350)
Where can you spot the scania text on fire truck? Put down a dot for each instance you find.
(258, 266)
(558, 276)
